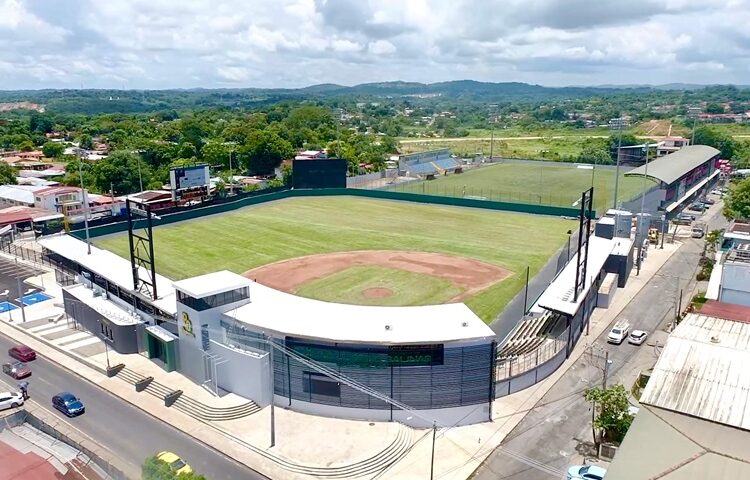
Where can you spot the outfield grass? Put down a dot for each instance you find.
(408, 288)
(255, 236)
(531, 182)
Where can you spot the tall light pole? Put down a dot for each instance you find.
(617, 168)
(85, 200)
(643, 204)
(140, 177)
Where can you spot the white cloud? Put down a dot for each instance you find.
(381, 47)
(160, 44)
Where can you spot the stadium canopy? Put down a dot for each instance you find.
(670, 168)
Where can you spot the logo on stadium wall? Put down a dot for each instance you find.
(187, 325)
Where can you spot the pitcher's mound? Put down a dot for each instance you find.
(377, 292)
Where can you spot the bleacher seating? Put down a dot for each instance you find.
(446, 164)
(422, 169)
(528, 335)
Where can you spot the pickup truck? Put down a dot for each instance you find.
(618, 333)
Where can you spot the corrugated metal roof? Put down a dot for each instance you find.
(671, 446)
(672, 167)
(16, 194)
(703, 371)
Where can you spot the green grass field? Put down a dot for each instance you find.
(255, 236)
(531, 182)
(347, 286)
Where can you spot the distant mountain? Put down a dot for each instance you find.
(133, 101)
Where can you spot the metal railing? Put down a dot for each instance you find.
(515, 365)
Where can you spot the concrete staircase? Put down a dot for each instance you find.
(375, 464)
(189, 406)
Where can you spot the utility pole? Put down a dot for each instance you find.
(692, 140)
(432, 458)
(606, 370)
(85, 200)
(20, 293)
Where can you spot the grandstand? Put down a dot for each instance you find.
(528, 335)
(423, 164)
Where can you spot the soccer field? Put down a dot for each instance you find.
(532, 182)
(268, 233)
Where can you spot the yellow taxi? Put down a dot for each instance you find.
(176, 464)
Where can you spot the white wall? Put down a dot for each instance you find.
(244, 373)
(735, 284)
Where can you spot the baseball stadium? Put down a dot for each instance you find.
(339, 302)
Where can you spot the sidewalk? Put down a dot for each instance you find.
(350, 448)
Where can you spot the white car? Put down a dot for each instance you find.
(637, 337)
(618, 333)
(10, 400)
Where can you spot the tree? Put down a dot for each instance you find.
(705, 135)
(7, 174)
(611, 419)
(217, 153)
(737, 201)
(40, 123)
(85, 141)
(264, 151)
(714, 108)
(595, 153)
(53, 150)
(120, 170)
(26, 146)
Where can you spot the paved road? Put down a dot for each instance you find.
(123, 429)
(558, 427)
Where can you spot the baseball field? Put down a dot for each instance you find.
(365, 251)
(531, 182)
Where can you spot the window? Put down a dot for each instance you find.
(318, 384)
(213, 301)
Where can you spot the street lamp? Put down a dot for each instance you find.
(85, 200)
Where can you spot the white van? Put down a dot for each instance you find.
(618, 333)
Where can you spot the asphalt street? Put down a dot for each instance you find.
(116, 425)
(558, 427)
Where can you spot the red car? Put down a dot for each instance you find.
(22, 353)
(17, 370)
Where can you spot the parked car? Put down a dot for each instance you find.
(696, 207)
(707, 201)
(717, 192)
(176, 464)
(684, 219)
(618, 333)
(68, 404)
(10, 400)
(586, 472)
(697, 232)
(637, 337)
(17, 370)
(22, 353)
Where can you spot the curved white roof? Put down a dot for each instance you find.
(277, 312)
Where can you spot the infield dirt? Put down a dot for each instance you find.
(471, 275)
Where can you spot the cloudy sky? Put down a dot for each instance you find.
(293, 43)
